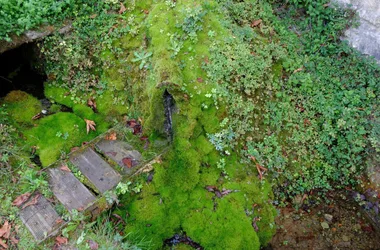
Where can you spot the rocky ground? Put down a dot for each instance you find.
(338, 225)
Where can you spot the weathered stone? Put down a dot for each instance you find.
(41, 219)
(366, 37)
(31, 36)
(99, 172)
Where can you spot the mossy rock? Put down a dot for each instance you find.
(22, 107)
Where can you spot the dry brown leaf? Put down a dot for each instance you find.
(93, 245)
(5, 230)
(3, 244)
(14, 240)
(58, 221)
(61, 240)
(21, 199)
(256, 23)
(32, 202)
(127, 162)
(91, 103)
(65, 168)
(111, 137)
(93, 16)
(122, 8)
(90, 125)
(298, 70)
(74, 149)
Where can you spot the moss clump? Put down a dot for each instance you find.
(57, 134)
(22, 107)
(59, 95)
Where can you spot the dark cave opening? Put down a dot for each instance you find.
(21, 69)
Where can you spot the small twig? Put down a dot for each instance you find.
(259, 168)
(6, 79)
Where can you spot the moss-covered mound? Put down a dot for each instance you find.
(22, 107)
(56, 134)
(185, 195)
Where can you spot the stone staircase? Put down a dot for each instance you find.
(103, 163)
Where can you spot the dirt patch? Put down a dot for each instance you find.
(337, 225)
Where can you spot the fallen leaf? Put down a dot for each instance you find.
(111, 137)
(5, 230)
(127, 162)
(122, 8)
(90, 125)
(298, 70)
(74, 149)
(65, 168)
(58, 221)
(91, 103)
(37, 116)
(14, 240)
(33, 201)
(256, 23)
(93, 245)
(2, 243)
(93, 16)
(21, 199)
(325, 225)
(61, 240)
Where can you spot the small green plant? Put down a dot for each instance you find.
(141, 57)
(123, 188)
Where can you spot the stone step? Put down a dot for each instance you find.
(99, 172)
(41, 218)
(69, 190)
(122, 153)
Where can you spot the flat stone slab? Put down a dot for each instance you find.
(122, 153)
(99, 172)
(69, 190)
(41, 218)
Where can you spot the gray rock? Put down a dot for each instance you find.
(366, 37)
(328, 217)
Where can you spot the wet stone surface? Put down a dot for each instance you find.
(99, 172)
(41, 219)
(122, 153)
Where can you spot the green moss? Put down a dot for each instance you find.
(112, 103)
(177, 199)
(203, 145)
(49, 135)
(22, 107)
(83, 111)
(59, 95)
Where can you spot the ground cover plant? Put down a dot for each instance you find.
(263, 102)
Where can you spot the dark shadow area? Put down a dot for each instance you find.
(20, 69)
(169, 105)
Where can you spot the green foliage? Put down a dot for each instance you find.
(301, 105)
(19, 16)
